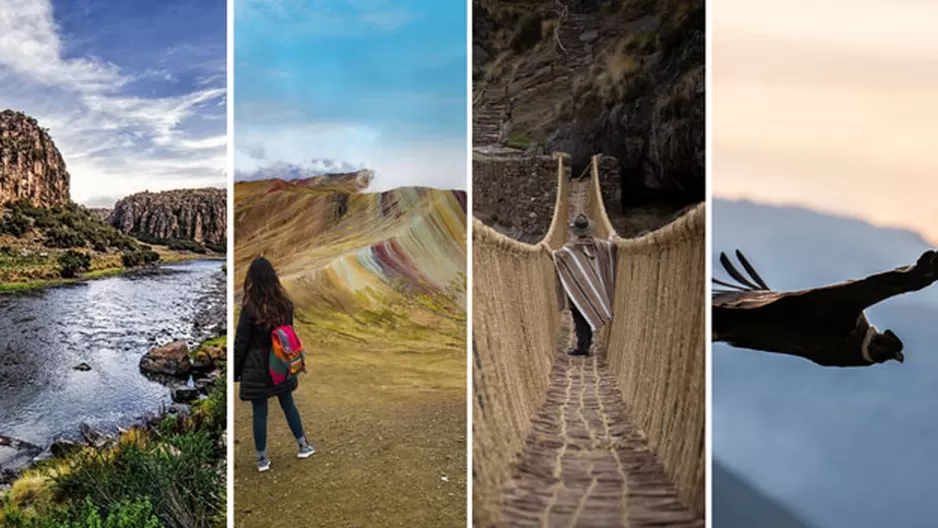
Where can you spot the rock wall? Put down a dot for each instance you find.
(188, 214)
(101, 213)
(515, 195)
(31, 167)
(587, 77)
(610, 184)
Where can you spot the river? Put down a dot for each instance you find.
(107, 324)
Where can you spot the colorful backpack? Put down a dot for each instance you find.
(287, 358)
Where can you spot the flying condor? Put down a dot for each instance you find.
(825, 325)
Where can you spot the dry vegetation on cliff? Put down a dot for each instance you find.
(621, 78)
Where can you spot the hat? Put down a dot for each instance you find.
(581, 226)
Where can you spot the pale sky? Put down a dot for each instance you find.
(832, 105)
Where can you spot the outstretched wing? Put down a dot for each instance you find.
(863, 293)
(856, 294)
(748, 292)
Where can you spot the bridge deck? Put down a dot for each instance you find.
(585, 463)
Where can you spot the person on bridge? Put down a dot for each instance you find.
(586, 268)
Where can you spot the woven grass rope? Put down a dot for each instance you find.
(655, 344)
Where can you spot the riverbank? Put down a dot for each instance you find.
(167, 471)
(72, 356)
(105, 269)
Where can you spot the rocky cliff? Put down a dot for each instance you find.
(30, 165)
(101, 213)
(198, 215)
(625, 79)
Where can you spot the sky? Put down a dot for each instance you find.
(379, 84)
(133, 93)
(829, 105)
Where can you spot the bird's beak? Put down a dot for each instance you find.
(900, 357)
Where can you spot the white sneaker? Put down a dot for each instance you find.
(263, 464)
(305, 451)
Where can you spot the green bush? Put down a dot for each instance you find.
(178, 477)
(215, 406)
(149, 239)
(15, 224)
(186, 245)
(136, 514)
(63, 237)
(120, 241)
(65, 226)
(24, 207)
(221, 247)
(126, 514)
(72, 262)
(141, 257)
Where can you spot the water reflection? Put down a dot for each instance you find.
(108, 324)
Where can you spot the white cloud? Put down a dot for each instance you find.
(30, 47)
(424, 165)
(427, 162)
(299, 142)
(113, 142)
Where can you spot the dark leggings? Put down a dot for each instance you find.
(584, 334)
(260, 419)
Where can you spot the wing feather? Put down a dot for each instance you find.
(751, 270)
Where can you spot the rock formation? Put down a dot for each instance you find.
(101, 213)
(198, 215)
(171, 359)
(624, 79)
(31, 167)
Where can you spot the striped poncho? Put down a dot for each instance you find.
(586, 268)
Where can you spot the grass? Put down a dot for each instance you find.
(215, 342)
(168, 472)
(102, 267)
(519, 139)
(32, 239)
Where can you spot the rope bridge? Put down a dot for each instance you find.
(613, 439)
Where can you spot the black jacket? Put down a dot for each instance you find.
(252, 353)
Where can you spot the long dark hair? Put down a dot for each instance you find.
(264, 295)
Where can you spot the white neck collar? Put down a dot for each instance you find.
(865, 348)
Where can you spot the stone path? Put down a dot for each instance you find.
(487, 122)
(579, 197)
(577, 33)
(585, 462)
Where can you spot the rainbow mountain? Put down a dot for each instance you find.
(342, 250)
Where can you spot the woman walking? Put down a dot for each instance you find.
(264, 308)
